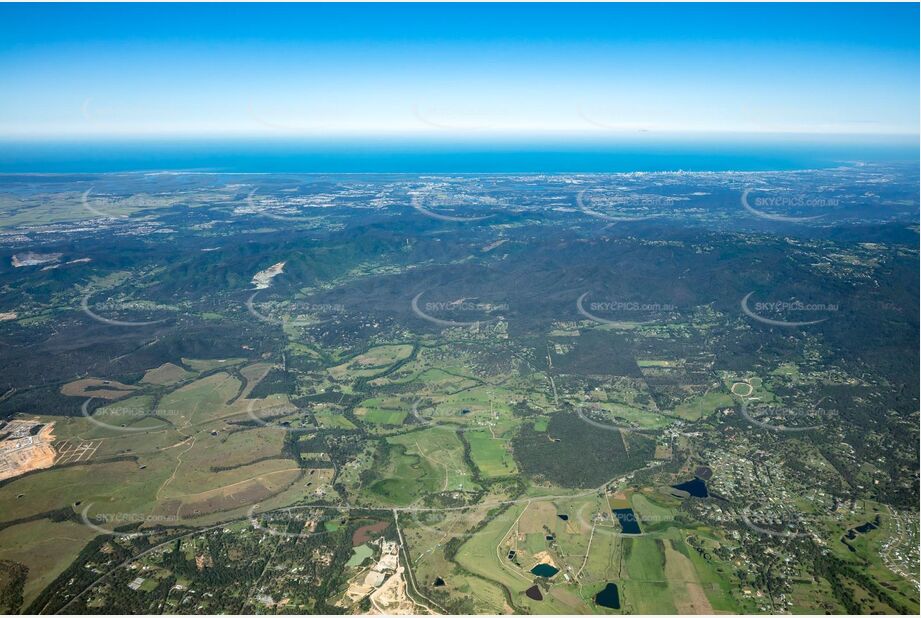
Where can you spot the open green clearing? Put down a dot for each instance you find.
(491, 455)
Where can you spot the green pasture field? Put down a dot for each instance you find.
(704, 405)
(442, 452)
(47, 548)
(491, 455)
(202, 401)
(383, 411)
(405, 478)
(331, 420)
(652, 513)
(166, 374)
(148, 472)
(644, 419)
(372, 362)
(484, 554)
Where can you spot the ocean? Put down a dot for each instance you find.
(446, 156)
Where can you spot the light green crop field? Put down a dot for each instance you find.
(385, 417)
(383, 411)
(330, 420)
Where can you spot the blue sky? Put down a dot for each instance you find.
(327, 70)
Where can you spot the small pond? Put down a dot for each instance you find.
(608, 597)
(628, 522)
(545, 570)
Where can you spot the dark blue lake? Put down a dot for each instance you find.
(696, 487)
(628, 522)
(545, 570)
(608, 597)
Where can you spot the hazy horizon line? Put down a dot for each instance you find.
(587, 135)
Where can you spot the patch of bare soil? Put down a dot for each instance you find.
(366, 533)
(19, 455)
